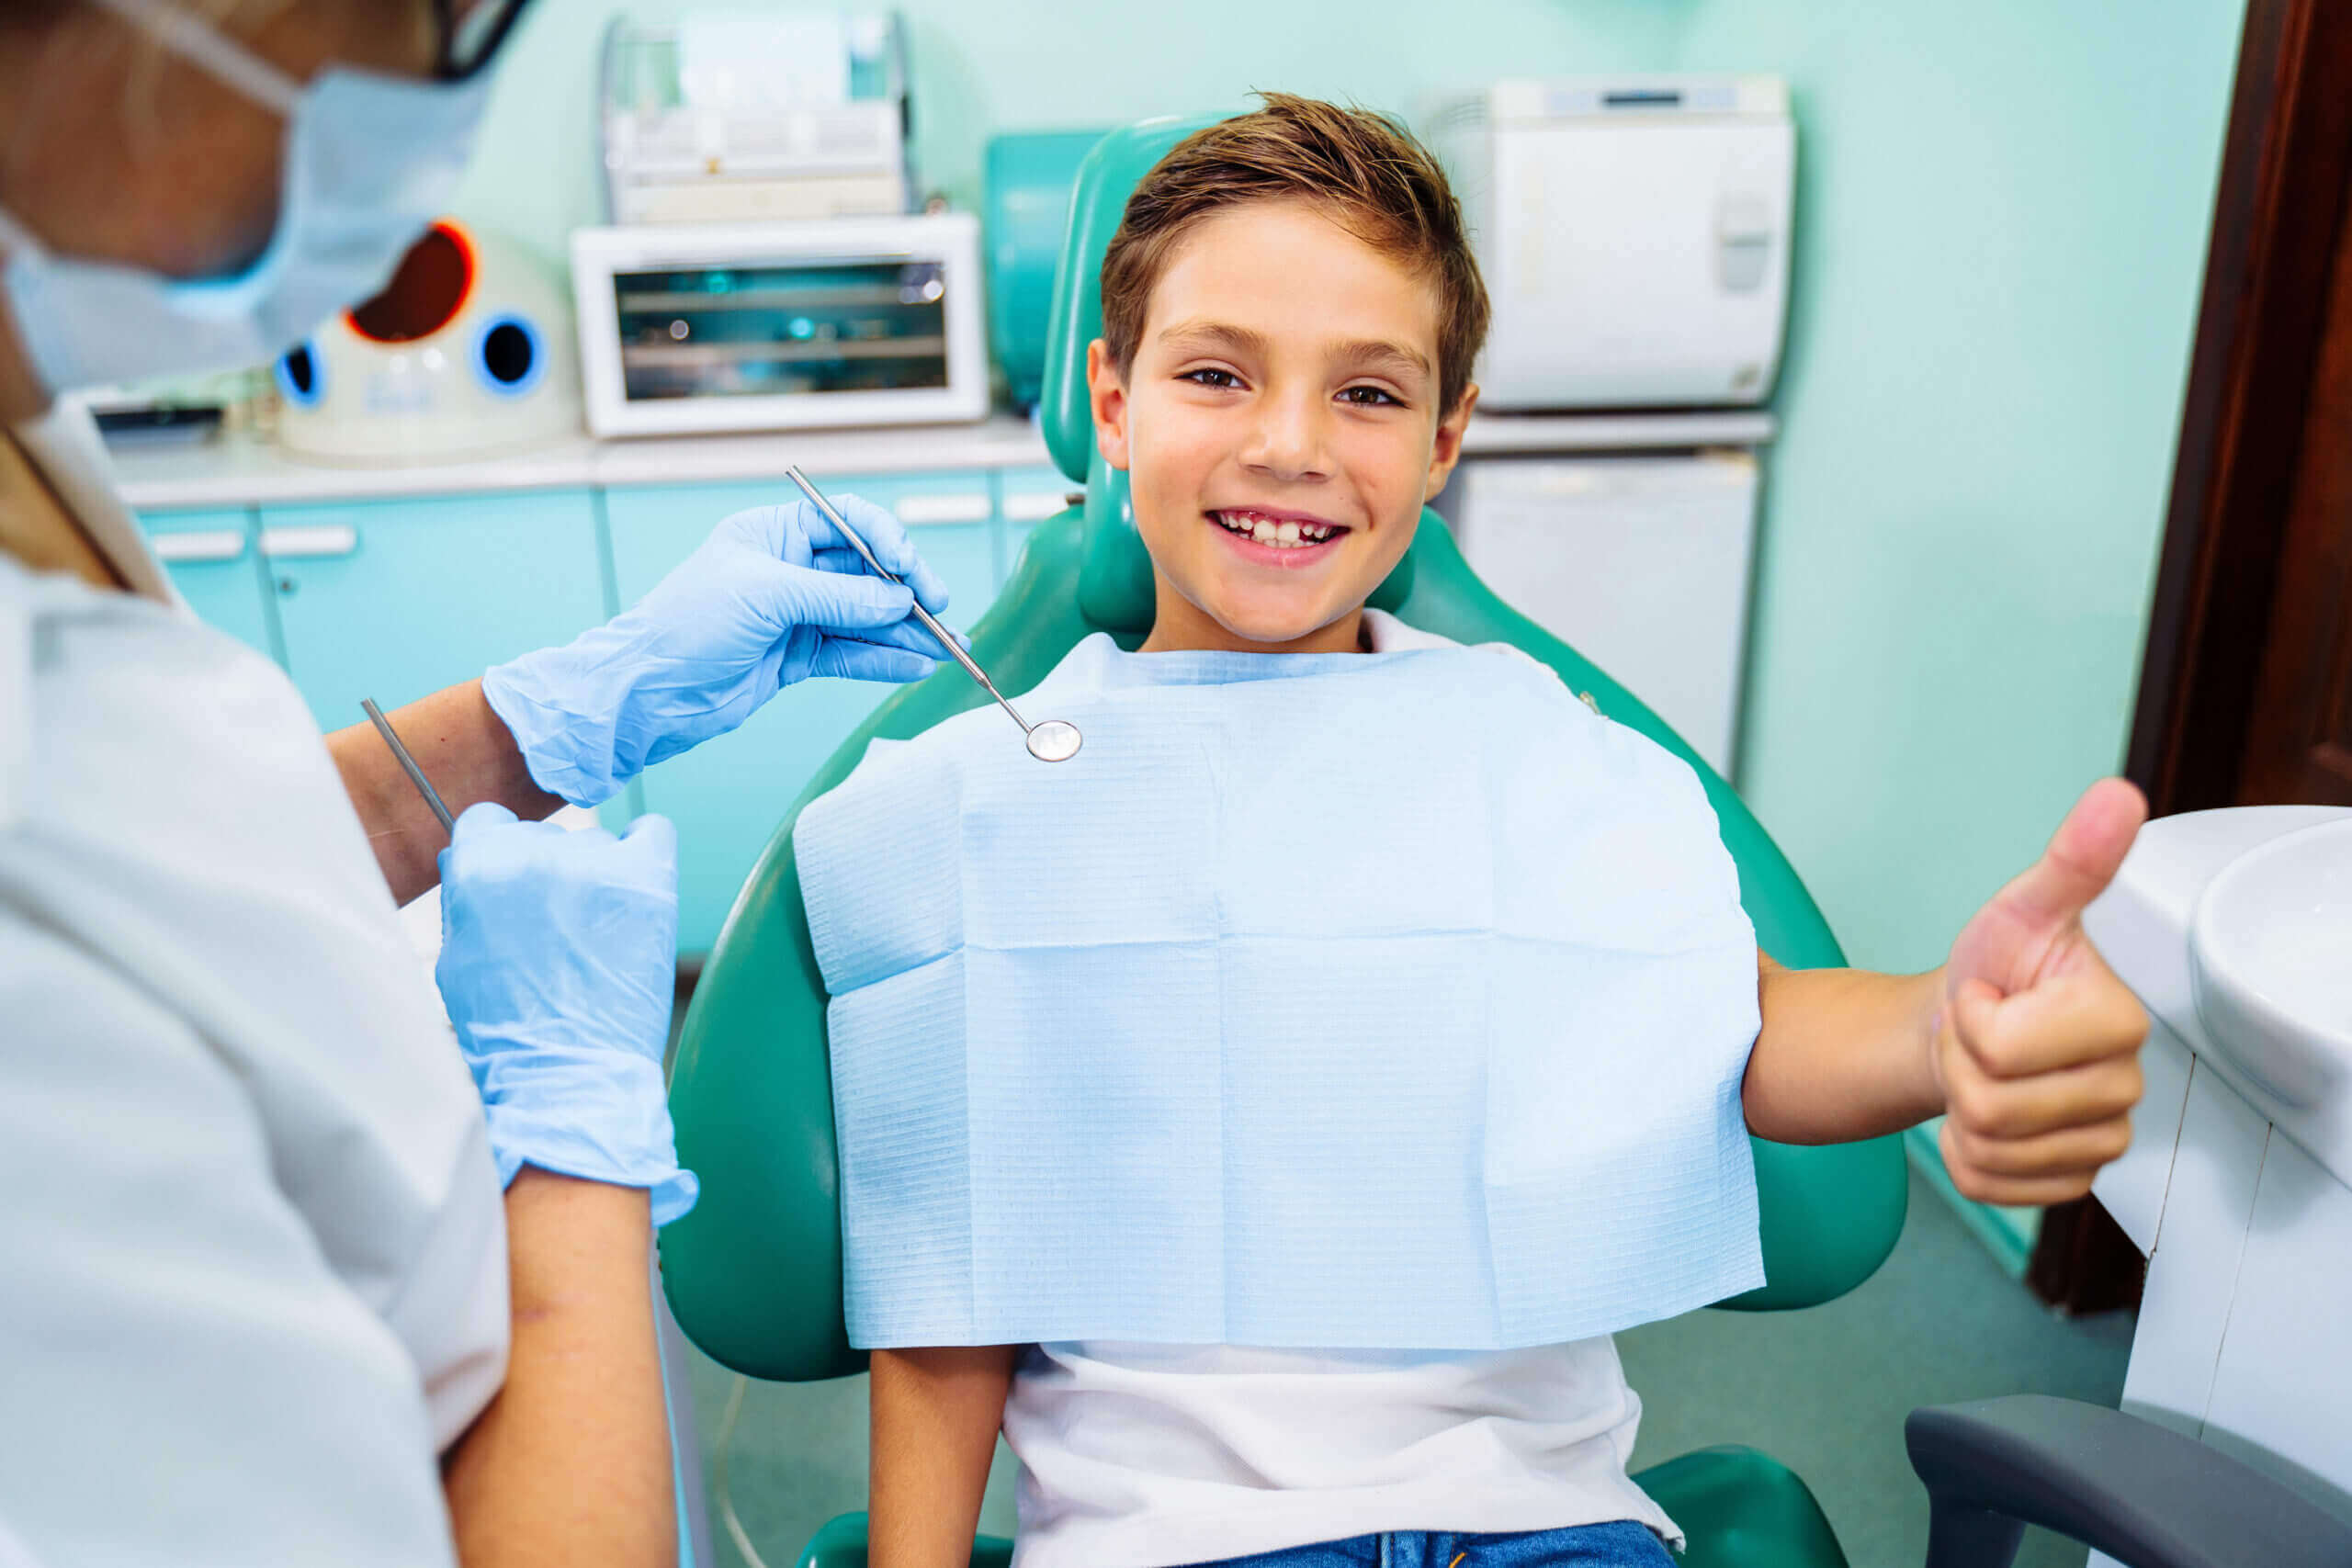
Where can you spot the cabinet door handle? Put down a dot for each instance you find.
(309, 541)
(198, 545)
(918, 509)
(1036, 505)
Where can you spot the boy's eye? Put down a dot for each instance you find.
(1209, 376)
(1370, 397)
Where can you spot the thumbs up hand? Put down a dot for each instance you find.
(2037, 1049)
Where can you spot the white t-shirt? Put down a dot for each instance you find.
(1140, 1456)
(253, 1268)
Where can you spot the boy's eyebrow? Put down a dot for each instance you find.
(1369, 354)
(1373, 354)
(1214, 334)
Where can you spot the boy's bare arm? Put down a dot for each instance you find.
(2024, 1040)
(1844, 1054)
(935, 1416)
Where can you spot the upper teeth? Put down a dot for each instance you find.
(1283, 533)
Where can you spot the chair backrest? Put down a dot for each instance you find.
(754, 1273)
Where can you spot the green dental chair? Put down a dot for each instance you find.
(754, 1273)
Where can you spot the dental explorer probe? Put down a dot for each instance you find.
(1055, 741)
(407, 764)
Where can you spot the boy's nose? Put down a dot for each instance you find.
(1288, 442)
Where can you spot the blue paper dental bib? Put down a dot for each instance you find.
(1366, 1000)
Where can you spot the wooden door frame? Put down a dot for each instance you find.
(2278, 212)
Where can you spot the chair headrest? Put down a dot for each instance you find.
(1107, 177)
(1114, 585)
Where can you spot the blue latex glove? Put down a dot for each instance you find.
(774, 595)
(558, 964)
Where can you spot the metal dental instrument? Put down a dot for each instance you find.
(407, 764)
(1055, 741)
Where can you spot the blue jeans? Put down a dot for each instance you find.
(1620, 1544)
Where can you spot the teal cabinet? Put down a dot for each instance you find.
(727, 795)
(395, 600)
(1027, 497)
(213, 563)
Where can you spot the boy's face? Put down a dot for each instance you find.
(1280, 429)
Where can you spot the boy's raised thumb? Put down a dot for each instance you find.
(2083, 855)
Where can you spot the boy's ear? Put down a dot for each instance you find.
(1446, 450)
(1107, 393)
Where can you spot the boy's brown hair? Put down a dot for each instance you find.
(1361, 169)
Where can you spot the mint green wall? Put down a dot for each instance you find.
(2001, 222)
(983, 66)
(2002, 210)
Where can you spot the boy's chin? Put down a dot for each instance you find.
(1204, 612)
(1276, 625)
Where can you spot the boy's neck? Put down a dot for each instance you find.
(1179, 624)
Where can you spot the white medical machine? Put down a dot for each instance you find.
(723, 116)
(687, 328)
(2234, 928)
(1633, 233)
(467, 352)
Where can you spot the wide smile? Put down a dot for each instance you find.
(1287, 540)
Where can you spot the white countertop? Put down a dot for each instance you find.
(241, 470)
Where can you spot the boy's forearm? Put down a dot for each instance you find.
(1844, 1054)
(936, 1413)
(570, 1462)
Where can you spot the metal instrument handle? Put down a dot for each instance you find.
(407, 764)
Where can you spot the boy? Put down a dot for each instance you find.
(1290, 316)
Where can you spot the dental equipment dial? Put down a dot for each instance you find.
(1054, 741)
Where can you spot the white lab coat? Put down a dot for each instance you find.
(252, 1247)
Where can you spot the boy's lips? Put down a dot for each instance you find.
(1277, 539)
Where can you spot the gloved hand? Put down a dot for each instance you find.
(557, 963)
(774, 595)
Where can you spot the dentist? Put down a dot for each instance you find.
(261, 1300)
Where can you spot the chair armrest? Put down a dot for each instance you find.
(2141, 1493)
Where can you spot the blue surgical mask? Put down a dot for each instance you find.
(370, 161)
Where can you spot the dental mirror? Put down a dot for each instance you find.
(1055, 741)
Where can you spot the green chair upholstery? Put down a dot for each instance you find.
(754, 1273)
(1740, 1509)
